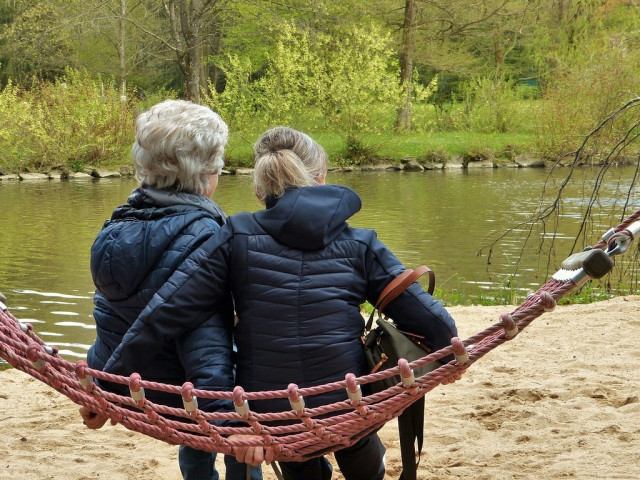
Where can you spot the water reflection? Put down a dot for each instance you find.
(51, 323)
(439, 218)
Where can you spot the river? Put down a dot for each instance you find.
(439, 218)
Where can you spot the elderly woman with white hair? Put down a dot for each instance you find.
(178, 155)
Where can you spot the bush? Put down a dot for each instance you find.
(72, 123)
(23, 137)
(346, 81)
(493, 106)
(594, 81)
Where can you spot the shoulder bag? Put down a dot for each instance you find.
(384, 345)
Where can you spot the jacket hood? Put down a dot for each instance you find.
(309, 218)
(136, 242)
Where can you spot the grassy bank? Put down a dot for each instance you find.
(395, 147)
(81, 122)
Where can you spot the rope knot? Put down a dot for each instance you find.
(509, 324)
(85, 380)
(32, 352)
(320, 432)
(353, 389)
(189, 401)
(187, 391)
(295, 399)
(459, 350)
(406, 373)
(240, 403)
(548, 302)
(51, 350)
(136, 391)
(32, 355)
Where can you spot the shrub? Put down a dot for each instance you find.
(23, 137)
(492, 105)
(71, 123)
(594, 81)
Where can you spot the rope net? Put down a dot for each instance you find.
(300, 433)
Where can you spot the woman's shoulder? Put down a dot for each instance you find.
(361, 234)
(242, 222)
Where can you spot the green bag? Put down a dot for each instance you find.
(385, 344)
(383, 347)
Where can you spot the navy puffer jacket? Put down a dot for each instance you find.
(133, 255)
(298, 274)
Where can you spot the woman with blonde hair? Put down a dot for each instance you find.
(298, 274)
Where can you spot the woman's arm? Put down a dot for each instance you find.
(185, 302)
(206, 356)
(414, 310)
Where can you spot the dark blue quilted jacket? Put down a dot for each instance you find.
(133, 255)
(298, 274)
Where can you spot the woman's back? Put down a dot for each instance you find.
(298, 309)
(299, 276)
(131, 258)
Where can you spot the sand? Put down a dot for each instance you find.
(561, 400)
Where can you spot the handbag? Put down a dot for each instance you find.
(385, 344)
(383, 347)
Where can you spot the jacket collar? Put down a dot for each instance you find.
(145, 196)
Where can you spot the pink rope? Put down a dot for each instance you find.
(309, 432)
(295, 435)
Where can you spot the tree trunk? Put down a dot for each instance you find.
(498, 53)
(190, 28)
(193, 66)
(403, 119)
(204, 68)
(214, 74)
(122, 51)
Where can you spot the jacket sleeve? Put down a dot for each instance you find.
(182, 304)
(206, 355)
(414, 310)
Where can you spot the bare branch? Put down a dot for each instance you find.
(547, 212)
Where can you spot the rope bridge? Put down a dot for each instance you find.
(300, 433)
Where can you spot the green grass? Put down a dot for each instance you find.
(407, 145)
(587, 294)
(430, 138)
(395, 147)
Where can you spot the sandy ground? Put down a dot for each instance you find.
(559, 401)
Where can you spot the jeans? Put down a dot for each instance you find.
(200, 465)
(362, 461)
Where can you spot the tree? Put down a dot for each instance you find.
(563, 26)
(164, 41)
(37, 40)
(7, 14)
(449, 36)
(190, 23)
(105, 26)
(349, 78)
(403, 120)
(589, 74)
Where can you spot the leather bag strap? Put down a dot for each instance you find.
(402, 282)
(398, 285)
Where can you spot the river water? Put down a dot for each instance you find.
(439, 218)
